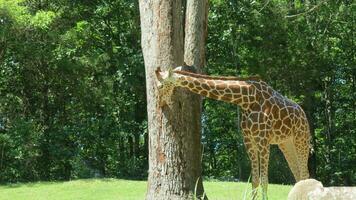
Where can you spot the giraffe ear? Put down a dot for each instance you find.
(158, 74)
(170, 72)
(179, 68)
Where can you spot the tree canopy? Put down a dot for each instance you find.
(72, 86)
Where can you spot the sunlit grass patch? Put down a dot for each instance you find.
(117, 189)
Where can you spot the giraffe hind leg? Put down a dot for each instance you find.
(290, 153)
(302, 147)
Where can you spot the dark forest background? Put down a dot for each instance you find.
(72, 86)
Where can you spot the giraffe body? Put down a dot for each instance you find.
(267, 118)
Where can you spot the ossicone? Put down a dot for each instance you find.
(158, 73)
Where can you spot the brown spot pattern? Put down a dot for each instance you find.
(267, 118)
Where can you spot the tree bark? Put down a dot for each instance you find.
(196, 32)
(194, 54)
(310, 110)
(174, 132)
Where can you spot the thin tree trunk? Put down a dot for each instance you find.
(145, 146)
(46, 155)
(328, 116)
(310, 110)
(137, 144)
(194, 54)
(173, 169)
(2, 155)
(131, 146)
(195, 32)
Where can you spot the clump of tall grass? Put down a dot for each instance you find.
(248, 194)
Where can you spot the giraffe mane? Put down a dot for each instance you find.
(224, 78)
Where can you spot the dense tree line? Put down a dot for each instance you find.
(72, 89)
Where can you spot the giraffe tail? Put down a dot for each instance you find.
(311, 147)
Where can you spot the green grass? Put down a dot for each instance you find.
(113, 189)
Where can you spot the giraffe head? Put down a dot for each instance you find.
(166, 82)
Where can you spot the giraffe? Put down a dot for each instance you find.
(267, 118)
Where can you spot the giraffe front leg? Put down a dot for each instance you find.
(290, 153)
(263, 150)
(253, 155)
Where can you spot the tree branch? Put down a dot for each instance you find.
(306, 12)
(264, 6)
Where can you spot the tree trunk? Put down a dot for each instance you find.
(194, 54)
(310, 110)
(131, 145)
(137, 145)
(174, 133)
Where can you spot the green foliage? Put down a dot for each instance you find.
(43, 19)
(307, 58)
(72, 86)
(12, 13)
(20, 150)
(79, 79)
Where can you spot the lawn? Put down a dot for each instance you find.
(114, 189)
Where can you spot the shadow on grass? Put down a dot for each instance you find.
(47, 183)
(29, 184)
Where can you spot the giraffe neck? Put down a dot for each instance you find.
(233, 91)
